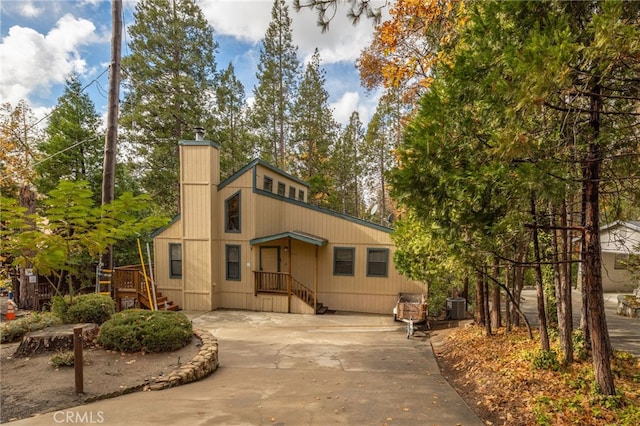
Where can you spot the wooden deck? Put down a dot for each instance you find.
(130, 291)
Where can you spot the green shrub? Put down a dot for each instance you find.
(94, 308)
(136, 330)
(546, 360)
(580, 345)
(63, 359)
(14, 330)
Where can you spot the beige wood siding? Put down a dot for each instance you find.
(353, 293)
(196, 216)
(200, 164)
(262, 171)
(170, 287)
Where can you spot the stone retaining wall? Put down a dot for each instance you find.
(625, 309)
(202, 365)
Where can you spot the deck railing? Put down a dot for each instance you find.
(128, 277)
(271, 282)
(282, 283)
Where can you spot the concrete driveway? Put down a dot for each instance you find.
(280, 369)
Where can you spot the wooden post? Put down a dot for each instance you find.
(111, 137)
(289, 250)
(77, 358)
(315, 286)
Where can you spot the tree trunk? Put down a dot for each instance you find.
(559, 281)
(28, 284)
(495, 303)
(54, 339)
(507, 306)
(542, 315)
(600, 345)
(485, 285)
(480, 315)
(565, 309)
(518, 280)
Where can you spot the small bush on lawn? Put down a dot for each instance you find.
(63, 359)
(136, 330)
(14, 330)
(95, 308)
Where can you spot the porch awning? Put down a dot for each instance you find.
(296, 235)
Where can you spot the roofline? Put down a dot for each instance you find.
(165, 227)
(281, 172)
(620, 223)
(323, 210)
(608, 226)
(199, 143)
(296, 235)
(237, 174)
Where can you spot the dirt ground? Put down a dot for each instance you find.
(33, 385)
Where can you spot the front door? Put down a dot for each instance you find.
(269, 259)
(270, 262)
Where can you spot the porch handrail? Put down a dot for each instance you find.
(303, 292)
(128, 277)
(271, 282)
(283, 283)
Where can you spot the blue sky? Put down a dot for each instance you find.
(43, 41)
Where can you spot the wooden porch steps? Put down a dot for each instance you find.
(321, 309)
(164, 304)
(128, 283)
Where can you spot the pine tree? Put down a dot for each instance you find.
(277, 75)
(347, 167)
(231, 130)
(72, 149)
(383, 136)
(169, 77)
(313, 132)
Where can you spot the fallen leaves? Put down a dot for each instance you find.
(495, 375)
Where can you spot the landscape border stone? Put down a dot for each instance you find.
(202, 365)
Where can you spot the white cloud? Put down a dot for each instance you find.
(344, 107)
(29, 10)
(247, 20)
(353, 101)
(32, 61)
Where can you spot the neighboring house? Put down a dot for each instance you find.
(254, 242)
(618, 241)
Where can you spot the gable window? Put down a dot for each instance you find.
(175, 260)
(281, 187)
(343, 260)
(292, 192)
(232, 213)
(377, 262)
(267, 184)
(301, 195)
(233, 262)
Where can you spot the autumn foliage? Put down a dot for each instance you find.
(406, 46)
(501, 378)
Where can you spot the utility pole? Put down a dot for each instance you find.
(109, 170)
